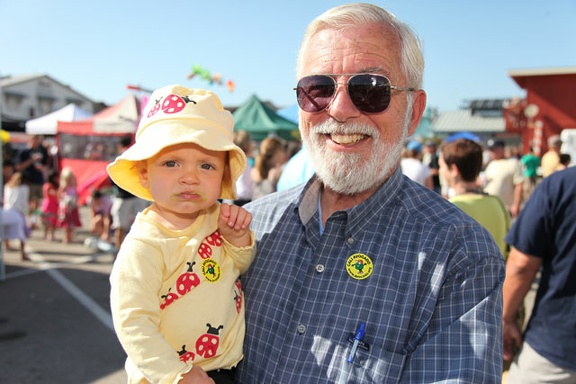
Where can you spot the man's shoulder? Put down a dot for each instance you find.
(559, 182)
(274, 203)
(425, 205)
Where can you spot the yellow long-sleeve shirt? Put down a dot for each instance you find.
(176, 299)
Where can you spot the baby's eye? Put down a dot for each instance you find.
(170, 163)
(207, 166)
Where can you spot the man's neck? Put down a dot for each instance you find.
(332, 201)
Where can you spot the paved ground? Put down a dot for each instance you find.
(55, 324)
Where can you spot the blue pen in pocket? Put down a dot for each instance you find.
(358, 337)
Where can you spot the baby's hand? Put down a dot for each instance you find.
(233, 224)
(196, 376)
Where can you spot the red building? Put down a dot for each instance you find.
(549, 106)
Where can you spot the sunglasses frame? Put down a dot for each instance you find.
(336, 83)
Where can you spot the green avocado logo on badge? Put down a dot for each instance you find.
(211, 270)
(359, 266)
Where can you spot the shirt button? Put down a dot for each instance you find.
(320, 268)
(301, 329)
(350, 240)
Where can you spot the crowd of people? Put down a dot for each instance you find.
(504, 171)
(265, 167)
(381, 259)
(38, 195)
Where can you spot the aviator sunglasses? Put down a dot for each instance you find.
(369, 93)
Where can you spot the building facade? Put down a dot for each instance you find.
(548, 109)
(484, 118)
(26, 97)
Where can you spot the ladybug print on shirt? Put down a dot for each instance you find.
(238, 296)
(207, 344)
(187, 280)
(190, 279)
(213, 240)
(186, 355)
(168, 299)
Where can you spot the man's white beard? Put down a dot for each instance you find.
(351, 173)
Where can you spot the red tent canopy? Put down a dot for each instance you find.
(118, 119)
(88, 146)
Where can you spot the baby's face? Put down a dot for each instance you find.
(184, 179)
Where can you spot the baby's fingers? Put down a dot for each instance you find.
(234, 217)
(243, 219)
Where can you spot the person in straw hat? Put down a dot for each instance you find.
(177, 303)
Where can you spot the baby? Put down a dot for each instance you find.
(177, 302)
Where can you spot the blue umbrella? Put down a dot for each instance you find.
(462, 135)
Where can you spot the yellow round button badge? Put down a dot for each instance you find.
(211, 270)
(359, 266)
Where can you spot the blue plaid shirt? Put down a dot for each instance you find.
(432, 304)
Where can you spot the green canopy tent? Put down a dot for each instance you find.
(260, 121)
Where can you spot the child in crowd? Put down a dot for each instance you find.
(69, 214)
(100, 205)
(15, 209)
(50, 204)
(176, 300)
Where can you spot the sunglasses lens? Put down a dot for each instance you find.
(314, 93)
(369, 93)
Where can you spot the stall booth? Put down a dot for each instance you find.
(88, 146)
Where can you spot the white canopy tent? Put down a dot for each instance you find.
(46, 125)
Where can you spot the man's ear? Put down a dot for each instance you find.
(418, 107)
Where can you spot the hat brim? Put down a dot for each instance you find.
(124, 170)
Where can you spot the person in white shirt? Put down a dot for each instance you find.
(413, 167)
(504, 177)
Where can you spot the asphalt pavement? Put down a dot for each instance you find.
(55, 323)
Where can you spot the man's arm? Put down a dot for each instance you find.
(521, 269)
(515, 207)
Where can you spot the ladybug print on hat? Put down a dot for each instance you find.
(175, 103)
(207, 344)
(155, 108)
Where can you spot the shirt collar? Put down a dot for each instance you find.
(360, 214)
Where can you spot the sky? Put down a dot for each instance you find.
(98, 48)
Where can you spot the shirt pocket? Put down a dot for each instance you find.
(374, 366)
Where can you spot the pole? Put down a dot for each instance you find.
(2, 267)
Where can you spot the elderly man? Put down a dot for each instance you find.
(362, 275)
